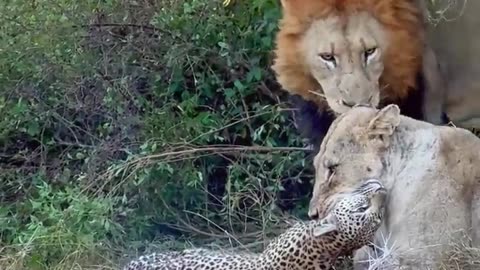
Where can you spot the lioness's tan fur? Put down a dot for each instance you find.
(432, 174)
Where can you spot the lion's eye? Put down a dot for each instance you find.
(327, 57)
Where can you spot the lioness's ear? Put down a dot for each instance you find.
(385, 121)
(326, 225)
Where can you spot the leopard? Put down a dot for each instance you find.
(311, 245)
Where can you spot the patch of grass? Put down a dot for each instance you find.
(459, 254)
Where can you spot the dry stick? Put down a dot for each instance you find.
(229, 235)
(317, 94)
(220, 149)
(230, 125)
(177, 156)
(132, 25)
(196, 230)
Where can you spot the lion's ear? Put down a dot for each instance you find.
(297, 7)
(291, 6)
(305, 10)
(385, 121)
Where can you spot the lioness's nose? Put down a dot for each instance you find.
(313, 213)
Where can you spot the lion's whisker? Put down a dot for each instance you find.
(317, 94)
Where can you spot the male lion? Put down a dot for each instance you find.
(432, 174)
(334, 54)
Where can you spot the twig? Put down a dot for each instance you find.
(141, 26)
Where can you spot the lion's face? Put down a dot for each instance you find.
(347, 52)
(353, 150)
(345, 56)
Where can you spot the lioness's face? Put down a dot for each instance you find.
(345, 57)
(353, 150)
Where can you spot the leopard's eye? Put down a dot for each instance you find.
(362, 208)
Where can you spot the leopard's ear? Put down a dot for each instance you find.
(324, 226)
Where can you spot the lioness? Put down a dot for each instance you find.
(432, 174)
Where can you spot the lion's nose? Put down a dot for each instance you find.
(365, 102)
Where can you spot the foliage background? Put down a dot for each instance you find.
(131, 126)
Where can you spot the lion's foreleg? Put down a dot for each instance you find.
(435, 88)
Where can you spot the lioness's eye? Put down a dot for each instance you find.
(370, 51)
(327, 57)
(329, 173)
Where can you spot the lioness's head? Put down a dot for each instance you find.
(353, 150)
(349, 52)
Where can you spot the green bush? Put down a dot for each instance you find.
(129, 122)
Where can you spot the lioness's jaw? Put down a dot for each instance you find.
(345, 57)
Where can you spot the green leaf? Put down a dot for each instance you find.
(229, 93)
(257, 73)
(223, 45)
(239, 85)
(33, 128)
